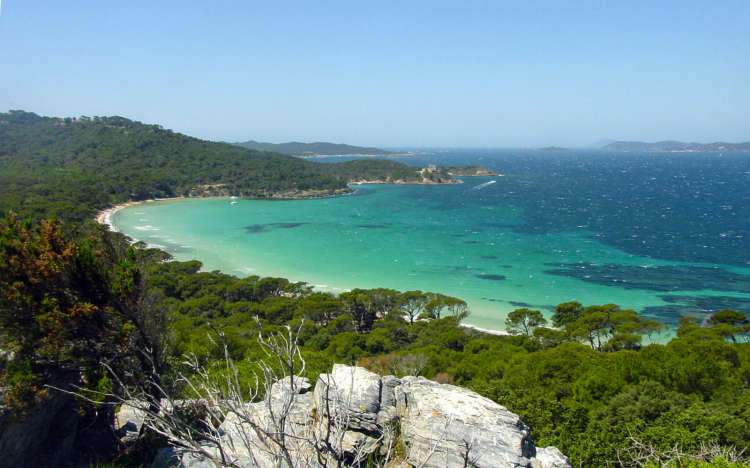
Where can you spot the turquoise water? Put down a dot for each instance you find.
(463, 240)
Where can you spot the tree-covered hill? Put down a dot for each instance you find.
(75, 166)
(296, 148)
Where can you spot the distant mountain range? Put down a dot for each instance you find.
(296, 148)
(676, 147)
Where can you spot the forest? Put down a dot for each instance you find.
(77, 300)
(72, 167)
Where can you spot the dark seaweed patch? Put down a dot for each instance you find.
(493, 299)
(671, 314)
(711, 303)
(259, 228)
(487, 276)
(256, 228)
(656, 278)
(694, 306)
(520, 304)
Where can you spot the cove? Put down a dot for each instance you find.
(453, 239)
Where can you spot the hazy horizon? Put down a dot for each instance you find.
(421, 75)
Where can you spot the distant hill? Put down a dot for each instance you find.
(73, 167)
(553, 148)
(296, 148)
(676, 147)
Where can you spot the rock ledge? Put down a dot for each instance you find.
(424, 423)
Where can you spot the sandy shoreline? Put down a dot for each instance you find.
(105, 216)
(486, 330)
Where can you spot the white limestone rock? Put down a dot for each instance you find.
(549, 457)
(351, 394)
(438, 425)
(443, 425)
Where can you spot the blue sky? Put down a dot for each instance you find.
(404, 73)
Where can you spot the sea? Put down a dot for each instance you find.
(666, 234)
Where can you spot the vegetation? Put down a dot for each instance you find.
(74, 296)
(588, 387)
(296, 148)
(74, 167)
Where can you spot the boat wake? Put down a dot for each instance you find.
(481, 186)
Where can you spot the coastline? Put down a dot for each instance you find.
(485, 330)
(104, 216)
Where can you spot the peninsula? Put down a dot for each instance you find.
(319, 148)
(94, 163)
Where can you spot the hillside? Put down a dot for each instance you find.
(676, 147)
(76, 166)
(296, 148)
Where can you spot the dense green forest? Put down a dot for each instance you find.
(74, 296)
(74, 166)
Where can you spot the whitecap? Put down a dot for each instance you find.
(146, 227)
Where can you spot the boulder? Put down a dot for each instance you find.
(351, 394)
(444, 425)
(549, 457)
(129, 419)
(289, 384)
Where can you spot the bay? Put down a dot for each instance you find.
(665, 234)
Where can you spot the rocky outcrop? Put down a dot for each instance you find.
(355, 415)
(549, 457)
(451, 425)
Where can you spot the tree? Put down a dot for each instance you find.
(729, 323)
(321, 308)
(362, 308)
(412, 303)
(566, 313)
(68, 305)
(439, 303)
(610, 327)
(550, 337)
(384, 301)
(524, 321)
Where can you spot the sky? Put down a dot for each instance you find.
(388, 73)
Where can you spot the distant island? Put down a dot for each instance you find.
(676, 147)
(320, 148)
